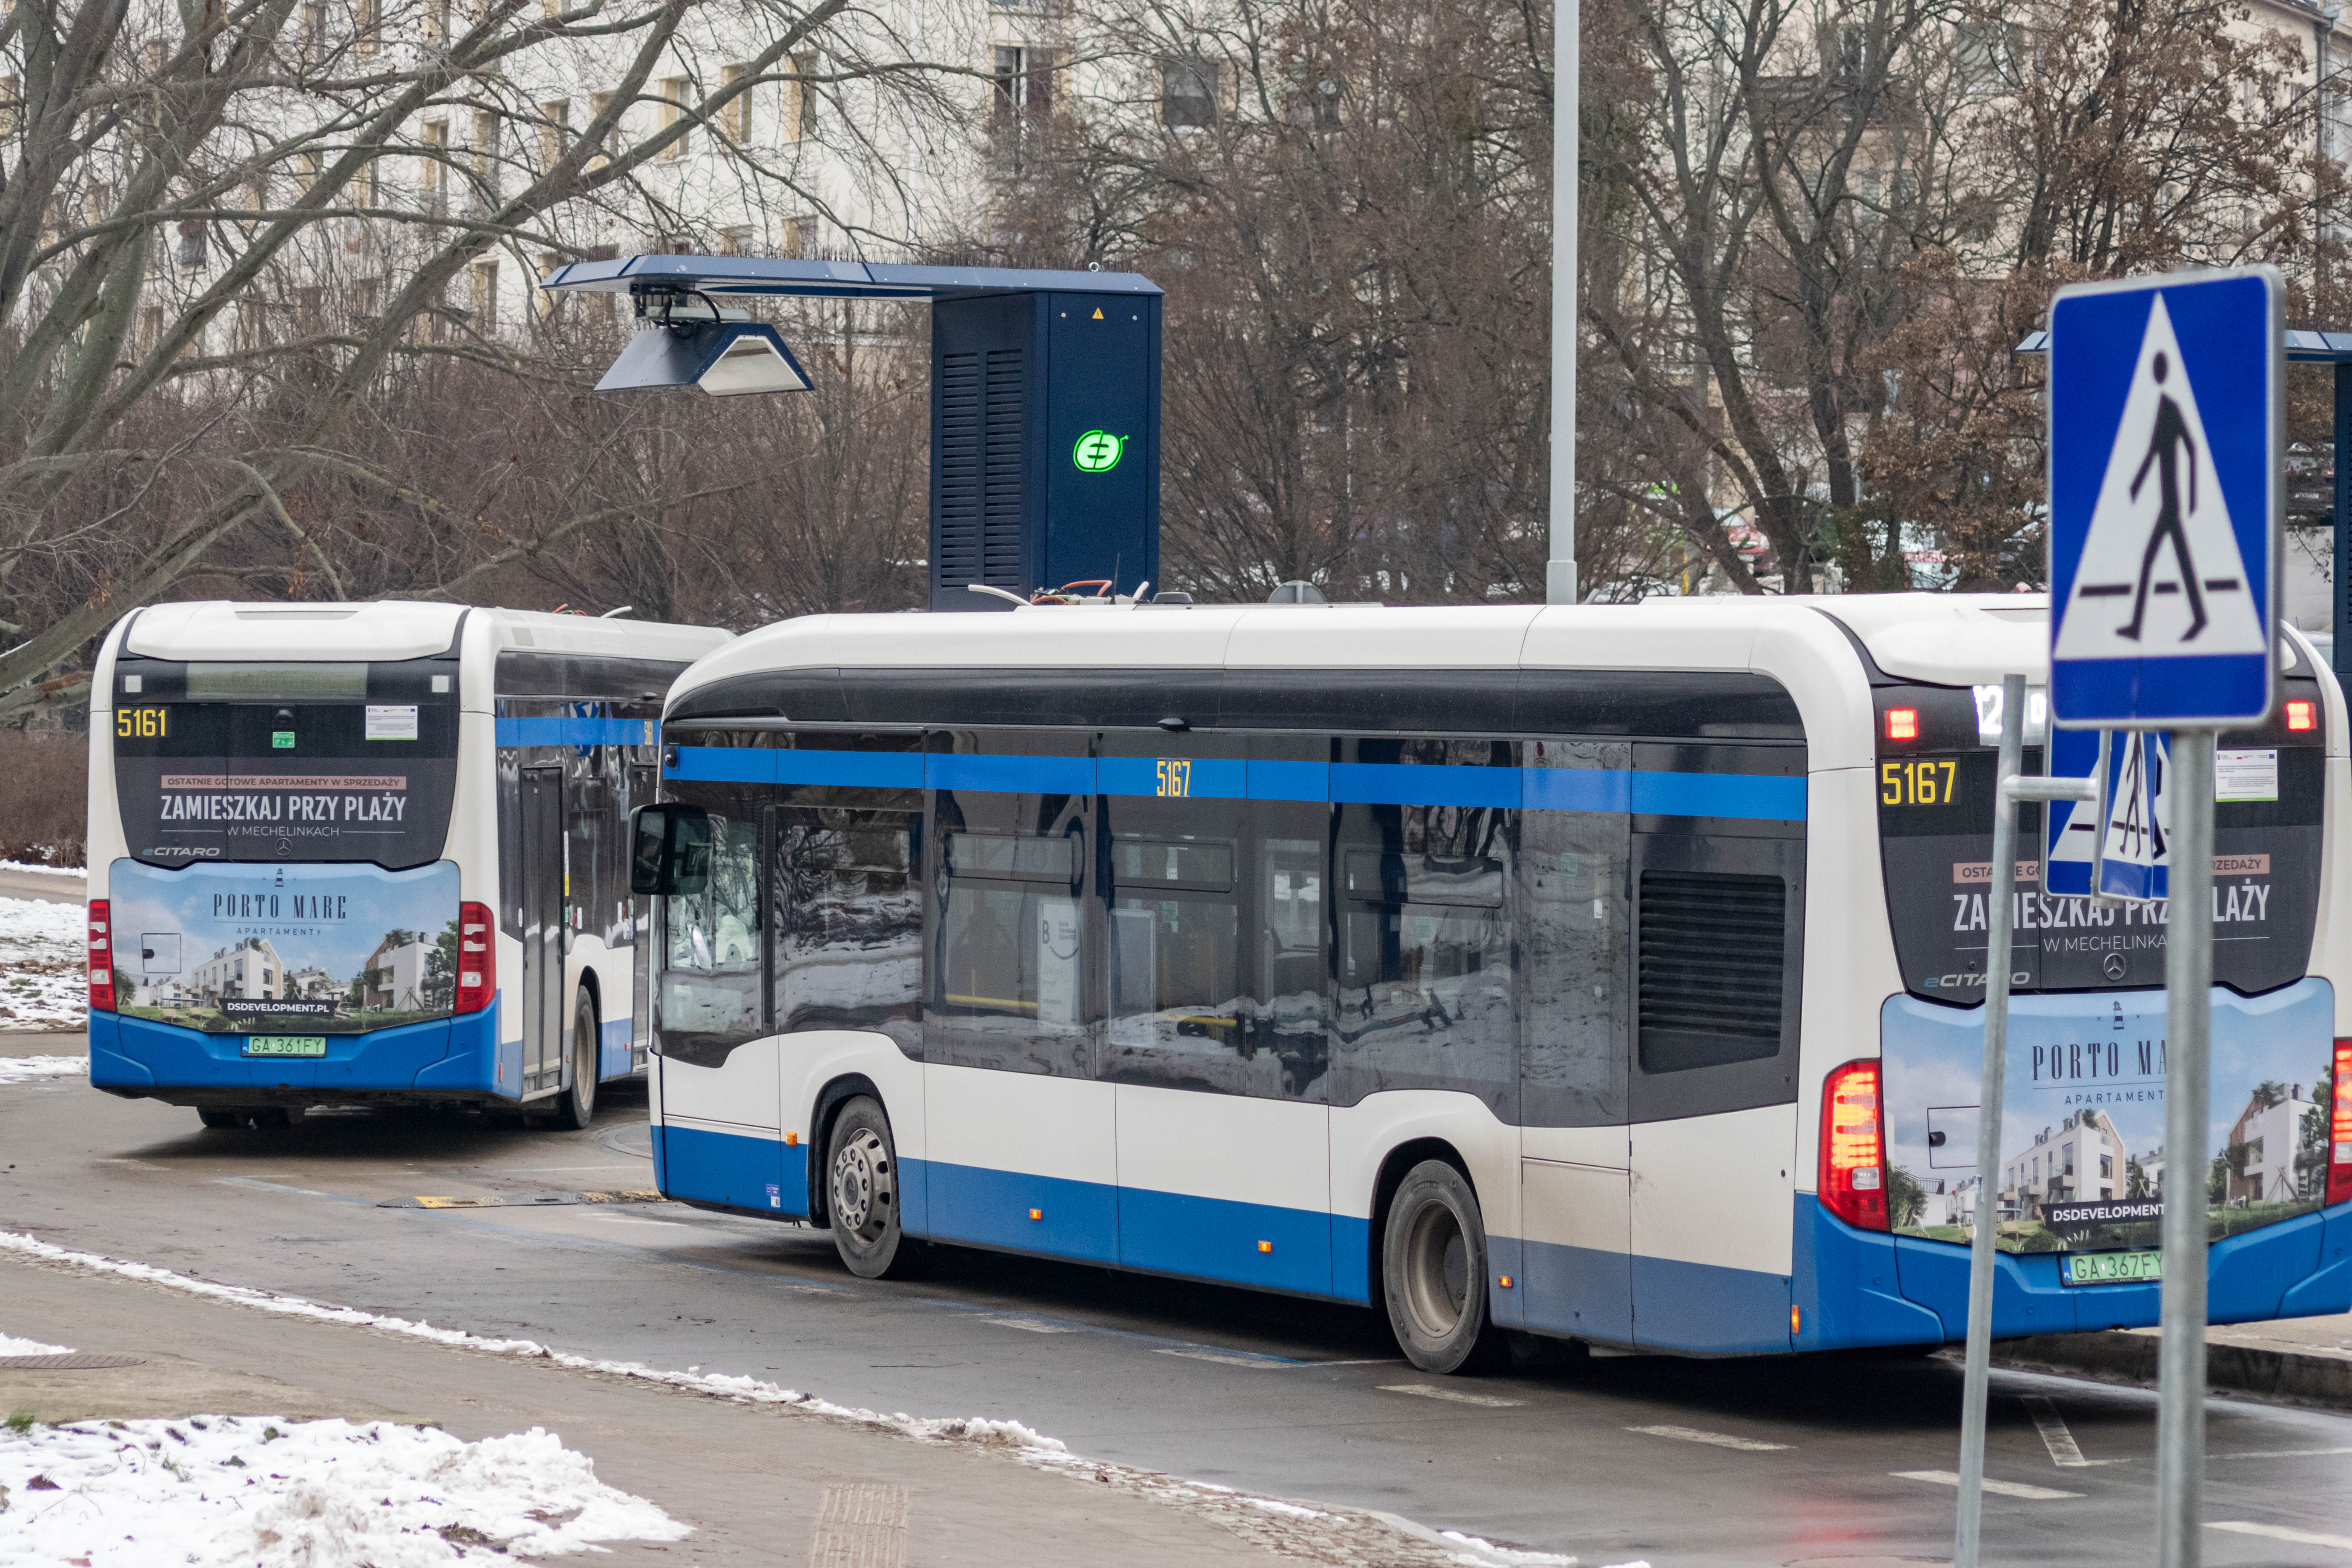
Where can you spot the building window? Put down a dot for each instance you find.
(735, 119)
(482, 159)
(554, 131)
(1024, 84)
(367, 17)
(437, 22)
(432, 166)
(482, 295)
(599, 105)
(12, 88)
(793, 236)
(800, 100)
(674, 90)
(312, 35)
(545, 300)
(1187, 92)
(736, 241)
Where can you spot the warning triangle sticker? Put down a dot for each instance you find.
(2160, 575)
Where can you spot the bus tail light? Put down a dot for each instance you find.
(101, 958)
(1903, 723)
(1854, 1149)
(477, 957)
(2302, 715)
(2339, 1131)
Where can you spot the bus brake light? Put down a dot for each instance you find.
(1903, 723)
(2340, 1132)
(477, 958)
(1853, 1168)
(102, 959)
(2302, 715)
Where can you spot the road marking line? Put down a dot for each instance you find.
(2006, 1489)
(1222, 1359)
(2280, 1533)
(2280, 1454)
(2055, 1437)
(1431, 1391)
(1719, 1439)
(1034, 1325)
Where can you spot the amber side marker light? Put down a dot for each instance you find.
(1796, 1319)
(1854, 1147)
(1037, 1213)
(2302, 715)
(1903, 723)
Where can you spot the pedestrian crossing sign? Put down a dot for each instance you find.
(2166, 417)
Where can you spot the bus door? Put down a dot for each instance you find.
(543, 922)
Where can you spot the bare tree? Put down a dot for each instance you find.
(242, 252)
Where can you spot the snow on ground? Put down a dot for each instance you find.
(10, 1345)
(78, 872)
(261, 1490)
(18, 1069)
(43, 982)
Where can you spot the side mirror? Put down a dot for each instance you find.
(669, 849)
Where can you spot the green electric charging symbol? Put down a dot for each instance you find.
(1097, 452)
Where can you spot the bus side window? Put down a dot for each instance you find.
(848, 922)
(1009, 922)
(1575, 962)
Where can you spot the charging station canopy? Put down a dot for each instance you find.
(1044, 401)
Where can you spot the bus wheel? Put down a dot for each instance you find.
(861, 1174)
(576, 1106)
(1433, 1271)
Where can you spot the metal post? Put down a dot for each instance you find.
(2189, 1017)
(2000, 906)
(2342, 465)
(1560, 573)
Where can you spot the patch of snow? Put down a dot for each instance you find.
(79, 873)
(1275, 1505)
(44, 977)
(11, 1345)
(22, 1069)
(224, 1490)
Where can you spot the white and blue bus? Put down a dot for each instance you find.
(369, 854)
(1611, 973)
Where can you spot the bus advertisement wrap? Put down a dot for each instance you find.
(270, 949)
(2082, 1158)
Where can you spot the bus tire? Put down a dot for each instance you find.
(575, 1107)
(220, 1118)
(861, 1190)
(1433, 1271)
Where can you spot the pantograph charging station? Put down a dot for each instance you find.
(1044, 400)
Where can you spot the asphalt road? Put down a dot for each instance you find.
(1681, 1462)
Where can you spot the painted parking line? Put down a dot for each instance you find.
(1718, 1440)
(1034, 1325)
(1450, 1396)
(2063, 1451)
(2006, 1489)
(2280, 1533)
(1225, 1358)
(2281, 1454)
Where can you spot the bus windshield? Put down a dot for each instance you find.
(285, 761)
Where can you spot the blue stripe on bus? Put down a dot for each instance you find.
(853, 770)
(1402, 784)
(724, 764)
(1211, 778)
(1220, 1238)
(574, 731)
(1011, 775)
(991, 1208)
(740, 1170)
(1769, 797)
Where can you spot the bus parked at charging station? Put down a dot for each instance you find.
(1614, 974)
(369, 854)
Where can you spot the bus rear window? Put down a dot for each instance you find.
(277, 682)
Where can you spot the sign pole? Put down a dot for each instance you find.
(2001, 909)
(2189, 1017)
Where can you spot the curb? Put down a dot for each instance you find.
(2115, 1356)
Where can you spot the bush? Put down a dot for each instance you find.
(44, 798)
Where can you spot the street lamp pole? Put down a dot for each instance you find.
(1560, 573)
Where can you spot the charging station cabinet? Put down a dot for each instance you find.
(1044, 443)
(1044, 405)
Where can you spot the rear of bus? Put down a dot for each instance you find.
(2082, 1177)
(278, 916)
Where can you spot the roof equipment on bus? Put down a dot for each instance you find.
(1044, 398)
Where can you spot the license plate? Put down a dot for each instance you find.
(287, 1046)
(2110, 1268)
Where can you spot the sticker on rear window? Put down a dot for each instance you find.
(393, 721)
(2245, 775)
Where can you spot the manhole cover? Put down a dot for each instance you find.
(77, 1362)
